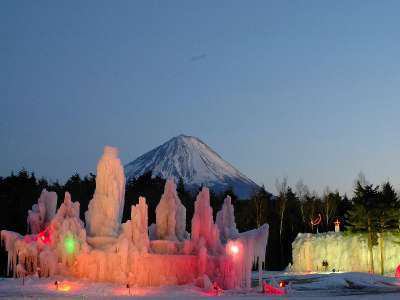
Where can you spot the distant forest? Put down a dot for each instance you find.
(289, 212)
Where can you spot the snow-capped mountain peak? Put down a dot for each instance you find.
(195, 162)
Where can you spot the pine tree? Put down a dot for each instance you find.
(388, 213)
(363, 215)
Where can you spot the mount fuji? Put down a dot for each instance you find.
(189, 158)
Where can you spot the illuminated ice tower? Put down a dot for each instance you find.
(103, 217)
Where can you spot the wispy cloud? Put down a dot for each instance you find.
(198, 57)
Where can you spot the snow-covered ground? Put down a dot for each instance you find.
(301, 286)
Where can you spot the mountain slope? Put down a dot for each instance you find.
(188, 157)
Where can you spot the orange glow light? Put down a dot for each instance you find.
(64, 287)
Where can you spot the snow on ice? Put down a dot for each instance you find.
(133, 254)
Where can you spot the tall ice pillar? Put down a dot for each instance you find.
(103, 217)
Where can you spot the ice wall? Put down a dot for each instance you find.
(226, 221)
(170, 215)
(103, 218)
(42, 212)
(343, 252)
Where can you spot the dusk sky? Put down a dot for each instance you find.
(303, 89)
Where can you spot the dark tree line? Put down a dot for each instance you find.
(288, 213)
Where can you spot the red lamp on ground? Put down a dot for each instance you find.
(282, 283)
(271, 290)
(397, 274)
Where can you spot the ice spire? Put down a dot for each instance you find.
(103, 217)
(170, 214)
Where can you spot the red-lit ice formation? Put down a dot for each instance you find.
(126, 253)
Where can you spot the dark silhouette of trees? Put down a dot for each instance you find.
(187, 200)
(81, 190)
(259, 203)
(331, 201)
(146, 186)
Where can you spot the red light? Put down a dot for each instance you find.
(44, 236)
(271, 290)
(217, 289)
(397, 274)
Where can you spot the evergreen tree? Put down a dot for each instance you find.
(363, 215)
(388, 213)
(293, 224)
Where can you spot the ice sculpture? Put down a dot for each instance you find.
(42, 212)
(226, 221)
(204, 231)
(136, 229)
(170, 215)
(342, 252)
(49, 251)
(133, 253)
(103, 218)
(254, 246)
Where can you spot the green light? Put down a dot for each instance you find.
(69, 244)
